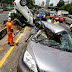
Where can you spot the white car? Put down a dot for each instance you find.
(20, 6)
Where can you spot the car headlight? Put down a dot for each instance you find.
(30, 61)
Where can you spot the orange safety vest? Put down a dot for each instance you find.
(9, 27)
(10, 37)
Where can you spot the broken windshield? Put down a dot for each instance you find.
(61, 41)
(66, 42)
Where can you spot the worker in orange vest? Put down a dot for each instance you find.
(9, 32)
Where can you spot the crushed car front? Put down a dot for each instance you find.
(41, 58)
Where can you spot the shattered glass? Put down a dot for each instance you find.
(60, 40)
(66, 42)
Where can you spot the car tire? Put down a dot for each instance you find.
(22, 2)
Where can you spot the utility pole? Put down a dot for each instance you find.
(47, 3)
(37, 1)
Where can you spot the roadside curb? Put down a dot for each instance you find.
(3, 32)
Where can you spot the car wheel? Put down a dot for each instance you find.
(22, 2)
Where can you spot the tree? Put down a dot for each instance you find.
(67, 7)
(51, 4)
(30, 3)
(6, 2)
(42, 4)
(61, 3)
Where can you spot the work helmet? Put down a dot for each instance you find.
(9, 19)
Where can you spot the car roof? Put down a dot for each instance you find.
(53, 27)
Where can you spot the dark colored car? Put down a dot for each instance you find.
(42, 15)
(47, 54)
(36, 13)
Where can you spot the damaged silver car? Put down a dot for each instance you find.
(48, 50)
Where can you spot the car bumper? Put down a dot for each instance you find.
(22, 67)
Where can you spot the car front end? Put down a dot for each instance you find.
(44, 55)
(22, 67)
(40, 58)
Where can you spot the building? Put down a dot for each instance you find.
(67, 2)
(47, 3)
(70, 1)
(42, 4)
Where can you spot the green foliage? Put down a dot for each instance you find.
(33, 11)
(15, 15)
(30, 3)
(4, 5)
(67, 7)
(7, 1)
(61, 3)
(18, 15)
(61, 8)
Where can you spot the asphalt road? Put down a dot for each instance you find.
(9, 55)
(3, 16)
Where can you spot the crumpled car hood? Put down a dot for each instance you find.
(49, 59)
